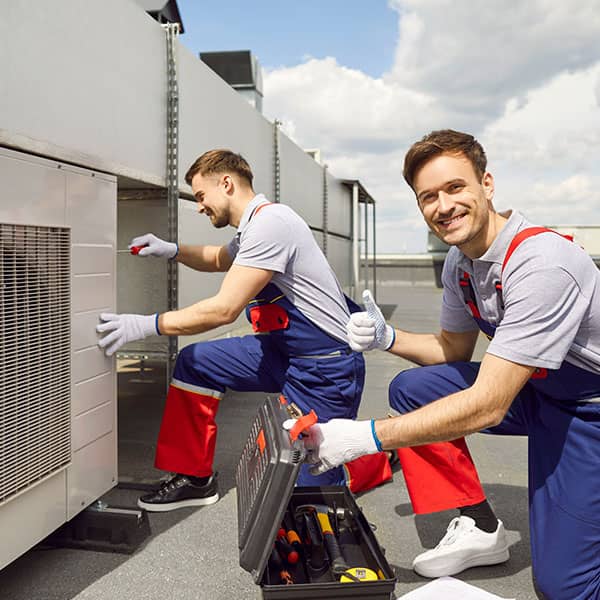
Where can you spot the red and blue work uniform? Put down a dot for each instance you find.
(289, 355)
(559, 411)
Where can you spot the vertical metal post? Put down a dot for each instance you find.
(172, 179)
(366, 244)
(355, 242)
(276, 163)
(325, 211)
(374, 254)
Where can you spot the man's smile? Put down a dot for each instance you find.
(451, 221)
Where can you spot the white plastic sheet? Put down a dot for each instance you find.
(450, 588)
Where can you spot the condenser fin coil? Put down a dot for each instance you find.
(35, 363)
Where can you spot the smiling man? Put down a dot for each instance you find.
(536, 295)
(278, 274)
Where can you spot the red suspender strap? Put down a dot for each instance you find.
(469, 295)
(259, 208)
(521, 237)
(465, 282)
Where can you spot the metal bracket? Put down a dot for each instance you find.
(172, 179)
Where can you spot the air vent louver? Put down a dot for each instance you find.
(35, 350)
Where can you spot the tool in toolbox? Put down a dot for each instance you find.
(301, 542)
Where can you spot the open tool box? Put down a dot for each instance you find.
(301, 542)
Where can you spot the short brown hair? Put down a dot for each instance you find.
(220, 161)
(444, 141)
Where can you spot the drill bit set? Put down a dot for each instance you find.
(301, 542)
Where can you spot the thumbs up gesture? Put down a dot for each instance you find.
(368, 330)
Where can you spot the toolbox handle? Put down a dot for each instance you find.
(303, 423)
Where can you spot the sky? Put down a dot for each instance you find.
(363, 80)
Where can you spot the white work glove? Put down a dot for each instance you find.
(154, 246)
(368, 330)
(125, 328)
(338, 441)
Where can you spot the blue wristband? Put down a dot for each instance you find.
(393, 339)
(377, 440)
(156, 325)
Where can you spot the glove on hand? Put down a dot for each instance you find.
(154, 246)
(125, 328)
(338, 441)
(368, 330)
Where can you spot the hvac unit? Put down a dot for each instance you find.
(58, 443)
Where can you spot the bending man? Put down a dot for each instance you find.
(275, 271)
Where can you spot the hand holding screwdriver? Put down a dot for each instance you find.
(150, 245)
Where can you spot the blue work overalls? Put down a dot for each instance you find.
(559, 411)
(288, 355)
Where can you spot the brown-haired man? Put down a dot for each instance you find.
(537, 296)
(277, 272)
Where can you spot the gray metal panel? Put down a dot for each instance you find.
(46, 193)
(27, 199)
(301, 182)
(319, 238)
(84, 87)
(338, 255)
(31, 517)
(339, 207)
(142, 282)
(91, 211)
(214, 115)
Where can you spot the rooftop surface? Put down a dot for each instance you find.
(192, 554)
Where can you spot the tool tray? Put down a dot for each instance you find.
(266, 475)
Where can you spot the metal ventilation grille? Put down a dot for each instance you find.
(35, 350)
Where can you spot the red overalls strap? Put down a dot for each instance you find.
(259, 208)
(522, 236)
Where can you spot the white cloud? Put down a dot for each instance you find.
(475, 57)
(524, 77)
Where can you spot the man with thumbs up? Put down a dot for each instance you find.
(536, 295)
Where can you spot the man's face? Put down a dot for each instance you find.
(454, 203)
(211, 193)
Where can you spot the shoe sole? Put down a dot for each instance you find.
(175, 505)
(482, 560)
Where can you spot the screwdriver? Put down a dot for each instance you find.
(133, 250)
(277, 564)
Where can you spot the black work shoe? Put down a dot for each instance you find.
(178, 492)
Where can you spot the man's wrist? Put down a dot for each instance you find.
(375, 436)
(390, 338)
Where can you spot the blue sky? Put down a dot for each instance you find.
(362, 80)
(361, 34)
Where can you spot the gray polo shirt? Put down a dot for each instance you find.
(551, 294)
(277, 239)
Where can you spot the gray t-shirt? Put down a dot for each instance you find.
(277, 239)
(551, 294)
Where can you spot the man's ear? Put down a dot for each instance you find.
(227, 183)
(487, 182)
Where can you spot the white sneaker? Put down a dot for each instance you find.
(463, 546)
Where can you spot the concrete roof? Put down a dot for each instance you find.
(192, 554)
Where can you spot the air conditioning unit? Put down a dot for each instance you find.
(58, 434)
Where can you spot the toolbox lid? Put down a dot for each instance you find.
(265, 478)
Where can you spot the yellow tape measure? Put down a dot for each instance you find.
(361, 573)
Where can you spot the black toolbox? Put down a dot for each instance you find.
(267, 498)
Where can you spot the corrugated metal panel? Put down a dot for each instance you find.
(35, 333)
